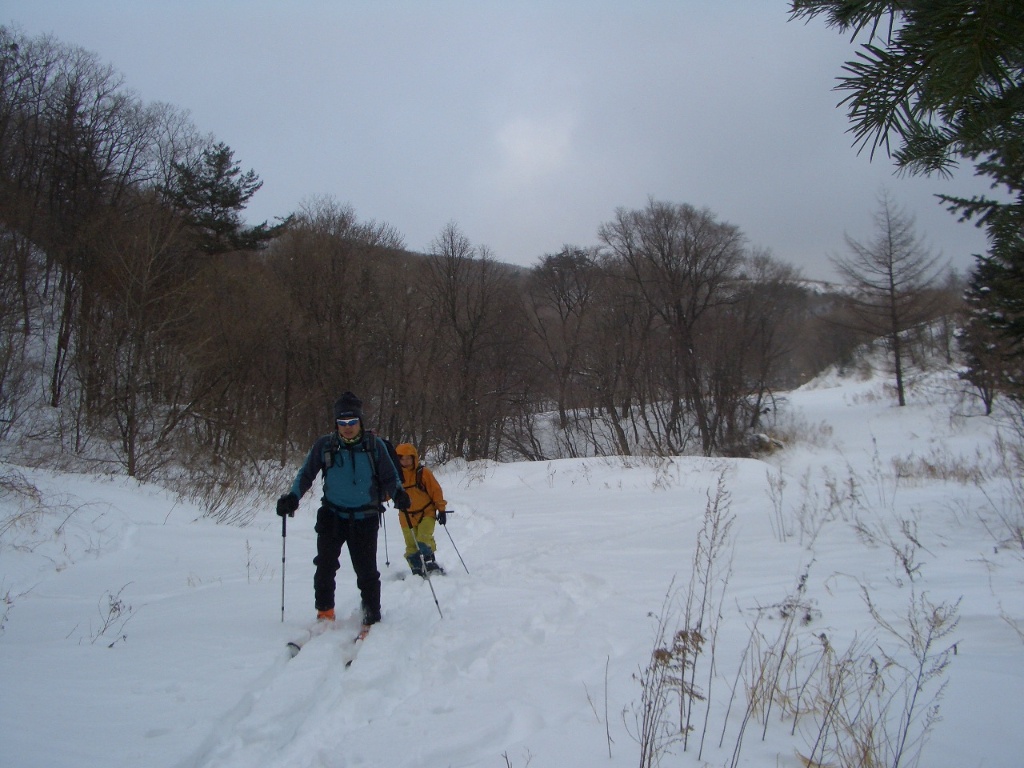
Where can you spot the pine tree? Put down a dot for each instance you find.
(994, 335)
(946, 81)
(211, 194)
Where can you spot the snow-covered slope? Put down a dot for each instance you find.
(136, 633)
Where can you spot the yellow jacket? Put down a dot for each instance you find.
(425, 494)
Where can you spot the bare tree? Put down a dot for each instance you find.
(478, 320)
(330, 281)
(144, 278)
(15, 379)
(683, 262)
(621, 358)
(892, 277)
(561, 294)
(758, 336)
(73, 143)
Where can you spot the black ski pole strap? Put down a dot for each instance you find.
(421, 510)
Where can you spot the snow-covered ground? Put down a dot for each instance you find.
(137, 633)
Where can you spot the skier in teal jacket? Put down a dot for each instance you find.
(358, 476)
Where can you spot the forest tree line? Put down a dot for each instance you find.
(142, 314)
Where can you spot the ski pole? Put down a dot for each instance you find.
(423, 561)
(284, 538)
(384, 522)
(453, 543)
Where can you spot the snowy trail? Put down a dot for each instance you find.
(274, 708)
(546, 609)
(417, 671)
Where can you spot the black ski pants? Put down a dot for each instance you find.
(333, 531)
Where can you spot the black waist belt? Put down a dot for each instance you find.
(354, 513)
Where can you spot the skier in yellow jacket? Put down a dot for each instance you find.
(426, 505)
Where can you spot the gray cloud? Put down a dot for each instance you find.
(526, 123)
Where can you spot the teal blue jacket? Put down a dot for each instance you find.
(356, 477)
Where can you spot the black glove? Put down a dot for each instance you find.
(401, 499)
(287, 505)
(442, 517)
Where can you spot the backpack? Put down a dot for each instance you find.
(393, 455)
(369, 445)
(333, 447)
(419, 478)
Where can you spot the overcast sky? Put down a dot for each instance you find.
(526, 123)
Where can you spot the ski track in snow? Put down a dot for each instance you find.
(313, 711)
(280, 704)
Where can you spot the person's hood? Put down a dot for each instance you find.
(408, 449)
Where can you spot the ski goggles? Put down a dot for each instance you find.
(347, 422)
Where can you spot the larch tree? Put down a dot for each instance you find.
(891, 277)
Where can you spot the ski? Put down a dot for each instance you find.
(298, 642)
(363, 632)
(295, 644)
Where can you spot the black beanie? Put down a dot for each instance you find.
(348, 406)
